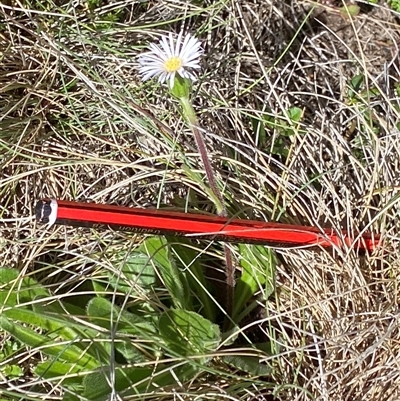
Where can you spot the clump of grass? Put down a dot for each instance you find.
(301, 110)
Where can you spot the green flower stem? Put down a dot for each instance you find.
(190, 115)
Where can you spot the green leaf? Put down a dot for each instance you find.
(66, 352)
(279, 148)
(57, 324)
(62, 372)
(259, 131)
(356, 84)
(189, 260)
(350, 10)
(8, 275)
(12, 371)
(99, 288)
(249, 364)
(270, 347)
(136, 273)
(188, 333)
(134, 380)
(286, 125)
(181, 87)
(258, 273)
(56, 320)
(158, 250)
(97, 384)
(100, 311)
(130, 352)
(295, 114)
(137, 380)
(15, 289)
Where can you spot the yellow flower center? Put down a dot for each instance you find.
(173, 64)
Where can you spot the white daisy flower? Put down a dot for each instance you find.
(170, 57)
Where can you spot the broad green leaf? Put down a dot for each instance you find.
(356, 84)
(295, 114)
(181, 88)
(190, 262)
(55, 325)
(130, 352)
(62, 372)
(136, 273)
(58, 321)
(164, 376)
(350, 10)
(15, 289)
(100, 311)
(258, 273)
(157, 249)
(188, 333)
(135, 380)
(65, 352)
(7, 275)
(97, 386)
(58, 325)
(12, 371)
(248, 364)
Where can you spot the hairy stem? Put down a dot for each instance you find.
(221, 209)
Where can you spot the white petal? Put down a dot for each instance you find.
(163, 77)
(147, 76)
(191, 76)
(191, 57)
(192, 64)
(194, 44)
(186, 48)
(178, 44)
(150, 59)
(155, 70)
(171, 45)
(156, 50)
(190, 43)
(172, 80)
(167, 52)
